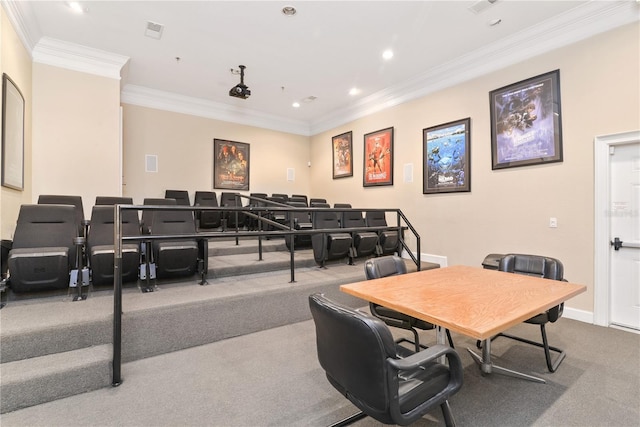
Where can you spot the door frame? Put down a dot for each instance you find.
(602, 199)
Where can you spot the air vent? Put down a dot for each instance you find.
(481, 6)
(154, 30)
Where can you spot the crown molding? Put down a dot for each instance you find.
(78, 58)
(152, 98)
(23, 22)
(565, 29)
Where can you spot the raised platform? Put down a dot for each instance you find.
(53, 347)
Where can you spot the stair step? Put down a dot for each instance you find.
(42, 379)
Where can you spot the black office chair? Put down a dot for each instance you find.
(547, 268)
(376, 268)
(386, 382)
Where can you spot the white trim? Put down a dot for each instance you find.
(576, 314)
(76, 57)
(167, 101)
(601, 244)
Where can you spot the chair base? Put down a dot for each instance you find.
(552, 365)
(350, 420)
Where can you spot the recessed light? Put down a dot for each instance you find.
(76, 7)
(387, 54)
(289, 11)
(296, 105)
(354, 91)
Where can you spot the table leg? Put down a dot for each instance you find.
(487, 367)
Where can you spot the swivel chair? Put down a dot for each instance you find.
(386, 382)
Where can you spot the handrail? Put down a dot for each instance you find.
(284, 230)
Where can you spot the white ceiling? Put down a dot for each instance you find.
(327, 48)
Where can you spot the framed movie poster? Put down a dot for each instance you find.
(526, 122)
(230, 165)
(12, 135)
(446, 157)
(378, 158)
(342, 148)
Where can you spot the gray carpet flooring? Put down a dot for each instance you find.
(272, 378)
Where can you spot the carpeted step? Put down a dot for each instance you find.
(42, 379)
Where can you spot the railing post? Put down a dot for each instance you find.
(292, 249)
(117, 298)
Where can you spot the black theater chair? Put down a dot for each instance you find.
(100, 245)
(207, 219)
(388, 240)
(389, 383)
(547, 268)
(232, 219)
(75, 201)
(113, 200)
(181, 196)
(364, 243)
(44, 251)
(376, 268)
(174, 258)
(332, 244)
(301, 221)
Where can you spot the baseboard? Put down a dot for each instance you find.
(436, 259)
(577, 314)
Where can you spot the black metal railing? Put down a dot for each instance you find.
(262, 214)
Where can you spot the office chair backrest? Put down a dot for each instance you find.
(532, 265)
(376, 268)
(352, 349)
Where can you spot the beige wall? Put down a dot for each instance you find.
(507, 210)
(16, 63)
(183, 145)
(76, 136)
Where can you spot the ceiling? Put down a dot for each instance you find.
(324, 50)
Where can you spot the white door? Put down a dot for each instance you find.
(625, 227)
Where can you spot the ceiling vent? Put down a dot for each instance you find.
(481, 6)
(154, 30)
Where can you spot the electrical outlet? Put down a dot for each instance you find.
(553, 222)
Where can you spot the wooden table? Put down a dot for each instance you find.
(472, 301)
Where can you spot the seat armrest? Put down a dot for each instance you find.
(423, 357)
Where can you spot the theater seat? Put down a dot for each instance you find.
(181, 196)
(174, 258)
(113, 200)
(387, 239)
(100, 245)
(330, 245)
(364, 243)
(301, 221)
(207, 219)
(43, 251)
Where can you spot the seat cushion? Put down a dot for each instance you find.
(35, 269)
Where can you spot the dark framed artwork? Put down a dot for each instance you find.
(526, 122)
(342, 148)
(446, 153)
(230, 165)
(378, 158)
(12, 135)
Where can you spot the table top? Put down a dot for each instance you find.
(472, 301)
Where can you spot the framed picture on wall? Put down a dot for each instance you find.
(378, 158)
(446, 157)
(526, 122)
(12, 135)
(342, 149)
(230, 165)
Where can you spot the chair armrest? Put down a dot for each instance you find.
(423, 357)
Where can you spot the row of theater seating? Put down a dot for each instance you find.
(55, 247)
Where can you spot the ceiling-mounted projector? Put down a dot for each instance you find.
(240, 90)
